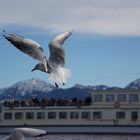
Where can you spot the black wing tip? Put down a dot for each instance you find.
(4, 31)
(5, 34)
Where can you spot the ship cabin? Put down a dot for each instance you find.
(114, 107)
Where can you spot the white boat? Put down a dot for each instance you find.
(106, 111)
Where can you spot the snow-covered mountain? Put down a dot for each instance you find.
(32, 85)
(77, 91)
(37, 88)
(98, 87)
(134, 85)
(26, 89)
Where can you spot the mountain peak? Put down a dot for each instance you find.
(37, 88)
(98, 87)
(33, 84)
(30, 88)
(79, 86)
(134, 84)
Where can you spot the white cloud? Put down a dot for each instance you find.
(109, 17)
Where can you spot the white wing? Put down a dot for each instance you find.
(30, 132)
(57, 52)
(27, 46)
(15, 135)
(20, 133)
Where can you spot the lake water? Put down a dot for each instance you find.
(84, 137)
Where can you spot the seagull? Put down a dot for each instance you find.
(54, 66)
(20, 133)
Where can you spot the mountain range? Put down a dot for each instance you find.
(37, 88)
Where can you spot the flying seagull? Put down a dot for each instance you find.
(54, 66)
(20, 133)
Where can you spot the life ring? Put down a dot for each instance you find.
(116, 104)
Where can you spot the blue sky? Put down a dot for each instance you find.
(103, 49)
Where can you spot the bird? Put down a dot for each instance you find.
(54, 65)
(20, 133)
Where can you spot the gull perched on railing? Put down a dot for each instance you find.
(54, 66)
(20, 133)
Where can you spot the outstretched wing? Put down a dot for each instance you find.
(31, 132)
(20, 133)
(15, 135)
(57, 52)
(27, 46)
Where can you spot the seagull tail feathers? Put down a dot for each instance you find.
(60, 75)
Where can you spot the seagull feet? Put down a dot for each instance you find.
(56, 85)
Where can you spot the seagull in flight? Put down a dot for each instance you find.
(20, 133)
(54, 65)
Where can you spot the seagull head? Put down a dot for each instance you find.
(40, 67)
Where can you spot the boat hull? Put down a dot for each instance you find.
(80, 129)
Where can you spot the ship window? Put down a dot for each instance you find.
(120, 115)
(74, 115)
(63, 115)
(134, 115)
(85, 115)
(19, 115)
(121, 97)
(7, 116)
(97, 115)
(98, 98)
(51, 115)
(30, 115)
(133, 97)
(109, 98)
(40, 115)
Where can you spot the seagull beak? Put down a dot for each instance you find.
(33, 69)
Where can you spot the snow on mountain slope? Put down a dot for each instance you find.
(38, 88)
(28, 88)
(134, 84)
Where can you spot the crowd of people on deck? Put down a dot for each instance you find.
(34, 102)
